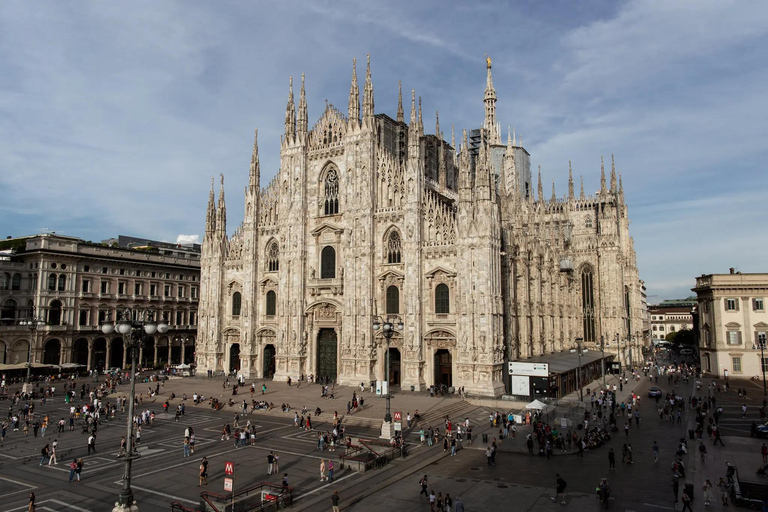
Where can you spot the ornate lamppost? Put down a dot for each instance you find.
(137, 331)
(578, 370)
(32, 323)
(388, 327)
(602, 349)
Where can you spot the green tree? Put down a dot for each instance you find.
(671, 336)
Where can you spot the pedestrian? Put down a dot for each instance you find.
(203, 472)
(655, 451)
(722, 486)
(488, 456)
(448, 502)
(432, 501)
(186, 447)
(270, 462)
(706, 492)
(626, 429)
(323, 476)
(676, 484)
(72, 469)
(92, 443)
(611, 459)
(330, 470)
(561, 485)
(45, 452)
(764, 452)
(79, 470)
(52, 458)
(31, 507)
(424, 483)
(285, 475)
(743, 410)
(453, 446)
(459, 505)
(686, 501)
(335, 501)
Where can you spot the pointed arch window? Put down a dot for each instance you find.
(328, 263)
(273, 257)
(331, 192)
(393, 300)
(236, 302)
(393, 247)
(588, 303)
(442, 299)
(271, 303)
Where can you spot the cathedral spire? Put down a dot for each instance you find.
(554, 196)
(354, 95)
(221, 212)
(413, 108)
(570, 181)
(302, 121)
(368, 95)
(421, 123)
(210, 215)
(540, 188)
(453, 137)
(255, 173)
(621, 187)
(514, 142)
(613, 175)
(490, 124)
(581, 195)
(509, 137)
(603, 190)
(437, 124)
(400, 114)
(290, 114)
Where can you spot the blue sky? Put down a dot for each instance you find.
(114, 116)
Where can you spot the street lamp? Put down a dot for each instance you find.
(388, 327)
(578, 371)
(762, 365)
(31, 323)
(602, 349)
(139, 329)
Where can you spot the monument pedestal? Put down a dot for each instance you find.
(387, 430)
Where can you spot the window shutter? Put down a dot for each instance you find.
(725, 303)
(736, 301)
(754, 304)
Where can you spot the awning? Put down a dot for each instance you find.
(536, 405)
(563, 362)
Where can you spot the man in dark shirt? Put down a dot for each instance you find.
(560, 488)
(335, 501)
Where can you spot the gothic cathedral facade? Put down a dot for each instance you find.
(369, 216)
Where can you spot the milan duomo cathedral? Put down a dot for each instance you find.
(370, 217)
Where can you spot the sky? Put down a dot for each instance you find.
(114, 115)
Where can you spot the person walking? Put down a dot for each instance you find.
(270, 462)
(424, 483)
(203, 472)
(458, 505)
(330, 470)
(561, 485)
(52, 458)
(45, 452)
(72, 470)
(186, 447)
(686, 501)
(323, 468)
(335, 501)
(31, 507)
(655, 451)
(79, 471)
(764, 453)
(611, 459)
(707, 493)
(722, 486)
(92, 443)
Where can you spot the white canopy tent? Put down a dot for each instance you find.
(537, 405)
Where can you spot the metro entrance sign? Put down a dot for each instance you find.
(229, 468)
(397, 416)
(229, 480)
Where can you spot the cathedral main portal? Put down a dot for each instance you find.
(327, 355)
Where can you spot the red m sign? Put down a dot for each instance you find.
(229, 468)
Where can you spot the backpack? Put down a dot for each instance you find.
(73, 466)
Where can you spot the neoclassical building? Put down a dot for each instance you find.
(73, 286)
(370, 216)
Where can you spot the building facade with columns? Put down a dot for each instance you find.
(370, 216)
(73, 285)
(733, 324)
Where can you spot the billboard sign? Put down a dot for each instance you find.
(529, 369)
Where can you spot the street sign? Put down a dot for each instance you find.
(228, 484)
(398, 415)
(398, 426)
(229, 468)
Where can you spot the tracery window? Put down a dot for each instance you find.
(588, 303)
(331, 192)
(588, 222)
(393, 247)
(273, 257)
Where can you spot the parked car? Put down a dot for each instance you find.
(762, 430)
(654, 392)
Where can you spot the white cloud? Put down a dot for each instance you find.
(188, 239)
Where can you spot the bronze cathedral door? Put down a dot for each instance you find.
(327, 354)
